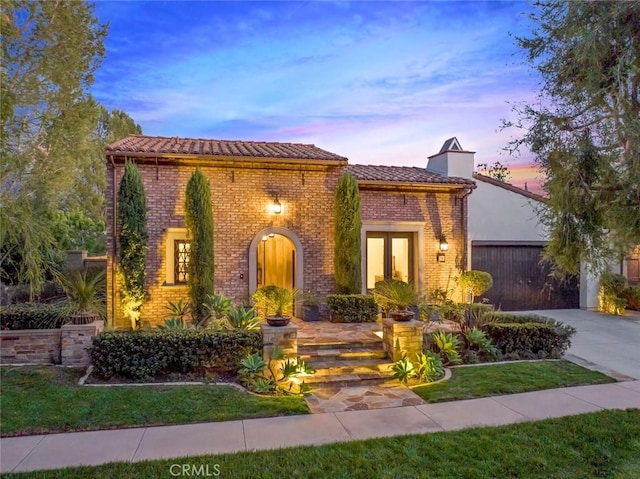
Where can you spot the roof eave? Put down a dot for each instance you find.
(122, 155)
(422, 186)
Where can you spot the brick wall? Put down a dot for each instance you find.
(241, 197)
(67, 346)
(30, 346)
(442, 214)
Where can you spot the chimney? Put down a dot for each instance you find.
(452, 160)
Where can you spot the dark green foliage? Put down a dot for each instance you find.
(632, 295)
(145, 354)
(352, 308)
(132, 236)
(584, 129)
(475, 283)
(199, 219)
(32, 316)
(613, 297)
(530, 340)
(347, 254)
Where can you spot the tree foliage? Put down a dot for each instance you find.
(496, 170)
(132, 237)
(584, 130)
(52, 136)
(347, 254)
(199, 220)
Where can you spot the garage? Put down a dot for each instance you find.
(520, 279)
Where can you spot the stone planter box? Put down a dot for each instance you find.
(68, 345)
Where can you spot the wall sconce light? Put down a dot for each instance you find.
(264, 238)
(276, 207)
(444, 246)
(272, 235)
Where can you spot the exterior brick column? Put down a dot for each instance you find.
(76, 341)
(285, 337)
(400, 337)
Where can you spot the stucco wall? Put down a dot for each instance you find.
(501, 215)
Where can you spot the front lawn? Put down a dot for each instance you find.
(44, 399)
(602, 444)
(509, 378)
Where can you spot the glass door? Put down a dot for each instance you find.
(389, 255)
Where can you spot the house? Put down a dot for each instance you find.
(505, 237)
(274, 219)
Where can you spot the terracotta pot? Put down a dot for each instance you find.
(401, 315)
(278, 320)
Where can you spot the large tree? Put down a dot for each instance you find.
(199, 219)
(347, 254)
(50, 51)
(584, 130)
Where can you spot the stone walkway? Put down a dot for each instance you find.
(380, 396)
(389, 394)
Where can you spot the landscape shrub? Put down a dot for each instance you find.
(632, 295)
(352, 308)
(528, 340)
(148, 353)
(611, 297)
(475, 282)
(32, 316)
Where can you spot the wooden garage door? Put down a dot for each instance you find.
(520, 280)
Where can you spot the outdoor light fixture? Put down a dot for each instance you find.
(272, 235)
(264, 238)
(444, 246)
(276, 207)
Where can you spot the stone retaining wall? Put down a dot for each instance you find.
(67, 346)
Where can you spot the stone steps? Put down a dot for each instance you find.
(345, 364)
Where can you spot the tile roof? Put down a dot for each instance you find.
(140, 145)
(403, 174)
(509, 187)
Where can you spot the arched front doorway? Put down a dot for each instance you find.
(275, 258)
(276, 261)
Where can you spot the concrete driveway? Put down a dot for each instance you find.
(610, 342)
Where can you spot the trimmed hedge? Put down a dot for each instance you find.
(632, 295)
(352, 308)
(32, 316)
(528, 336)
(145, 354)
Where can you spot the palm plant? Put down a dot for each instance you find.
(85, 294)
(395, 296)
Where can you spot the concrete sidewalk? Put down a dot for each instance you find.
(29, 453)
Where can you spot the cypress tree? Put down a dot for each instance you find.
(132, 217)
(199, 219)
(347, 255)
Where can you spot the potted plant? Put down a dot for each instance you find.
(85, 295)
(395, 297)
(274, 302)
(311, 305)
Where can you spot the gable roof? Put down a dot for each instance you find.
(452, 144)
(509, 187)
(161, 146)
(404, 175)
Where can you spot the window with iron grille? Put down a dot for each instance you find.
(182, 250)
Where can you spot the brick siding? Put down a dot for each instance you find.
(241, 196)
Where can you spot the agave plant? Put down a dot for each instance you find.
(429, 367)
(217, 306)
(448, 345)
(403, 369)
(240, 318)
(179, 310)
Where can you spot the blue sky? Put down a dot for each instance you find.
(377, 82)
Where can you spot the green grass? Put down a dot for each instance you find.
(47, 399)
(602, 444)
(509, 378)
